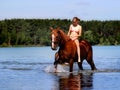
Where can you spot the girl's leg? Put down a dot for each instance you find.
(78, 49)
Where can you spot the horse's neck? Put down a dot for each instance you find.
(64, 38)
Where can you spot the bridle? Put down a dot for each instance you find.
(55, 40)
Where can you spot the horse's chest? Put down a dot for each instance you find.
(65, 54)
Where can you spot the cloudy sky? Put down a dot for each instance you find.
(62, 9)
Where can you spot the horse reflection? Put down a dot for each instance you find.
(76, 82)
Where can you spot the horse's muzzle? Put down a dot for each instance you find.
(53, 48)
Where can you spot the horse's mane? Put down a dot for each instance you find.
(64, 38)
(63, 35)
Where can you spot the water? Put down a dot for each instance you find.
(31, 68)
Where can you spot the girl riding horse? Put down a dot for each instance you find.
(74, 32)
(68, 51)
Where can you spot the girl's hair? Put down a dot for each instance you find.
(76, 18)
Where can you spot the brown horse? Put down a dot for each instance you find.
(68, 51)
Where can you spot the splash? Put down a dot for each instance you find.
(51, 68)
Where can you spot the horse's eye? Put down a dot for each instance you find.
(57, 37)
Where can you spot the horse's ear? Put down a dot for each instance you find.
(58, 28)
(51, 28)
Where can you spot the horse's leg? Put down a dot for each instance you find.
(91, 63)
(56, 58)
(71, 65)
(80, 65)
(56, 61)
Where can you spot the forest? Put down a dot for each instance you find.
(36, 32)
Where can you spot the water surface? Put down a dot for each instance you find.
(30, 68)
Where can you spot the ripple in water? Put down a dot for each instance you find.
(51, 68)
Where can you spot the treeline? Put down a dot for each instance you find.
(29, 32)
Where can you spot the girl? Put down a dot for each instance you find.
(74, 32)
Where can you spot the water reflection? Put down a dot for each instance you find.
(77, 81)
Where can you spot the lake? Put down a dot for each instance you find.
(30, 68)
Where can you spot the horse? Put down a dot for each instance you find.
(67, 52)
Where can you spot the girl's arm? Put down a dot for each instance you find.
(69, 31)
(80, 31)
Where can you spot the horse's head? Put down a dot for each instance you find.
(54, 38)
(58, 38)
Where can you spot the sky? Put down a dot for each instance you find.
(60, 9)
